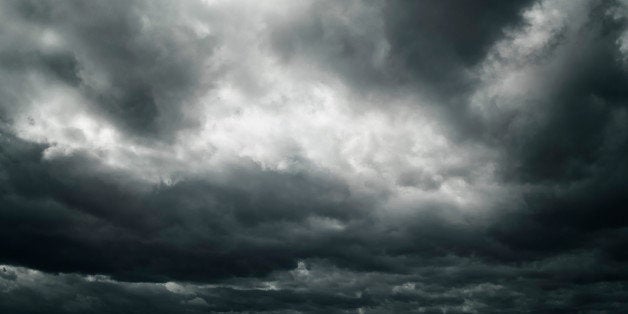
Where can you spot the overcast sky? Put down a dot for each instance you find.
(282, 156)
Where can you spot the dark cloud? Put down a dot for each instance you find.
(381, 48)
(581, 122)
(319, 287)
(571, 146)
(430, 45)
(131, 59)
(106, 224)
(130, 181)
(436, 42)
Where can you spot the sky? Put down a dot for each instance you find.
(282, 156)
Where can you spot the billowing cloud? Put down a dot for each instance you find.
(313, 156)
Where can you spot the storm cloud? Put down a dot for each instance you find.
(314, 156)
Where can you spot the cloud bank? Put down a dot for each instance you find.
(313, 156)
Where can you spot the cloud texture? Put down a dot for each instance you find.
(314, 156)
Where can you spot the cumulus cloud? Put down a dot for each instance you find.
(284, 156)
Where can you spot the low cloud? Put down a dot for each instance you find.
(357, 156)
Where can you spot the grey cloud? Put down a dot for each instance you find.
(109, 225)
(457, 285)
(346, 38)
(251, 224)
(436, 41)
(131, 59)
(570, 144)
(100, 235)
(430, 45)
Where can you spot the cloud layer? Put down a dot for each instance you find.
(313, 156)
